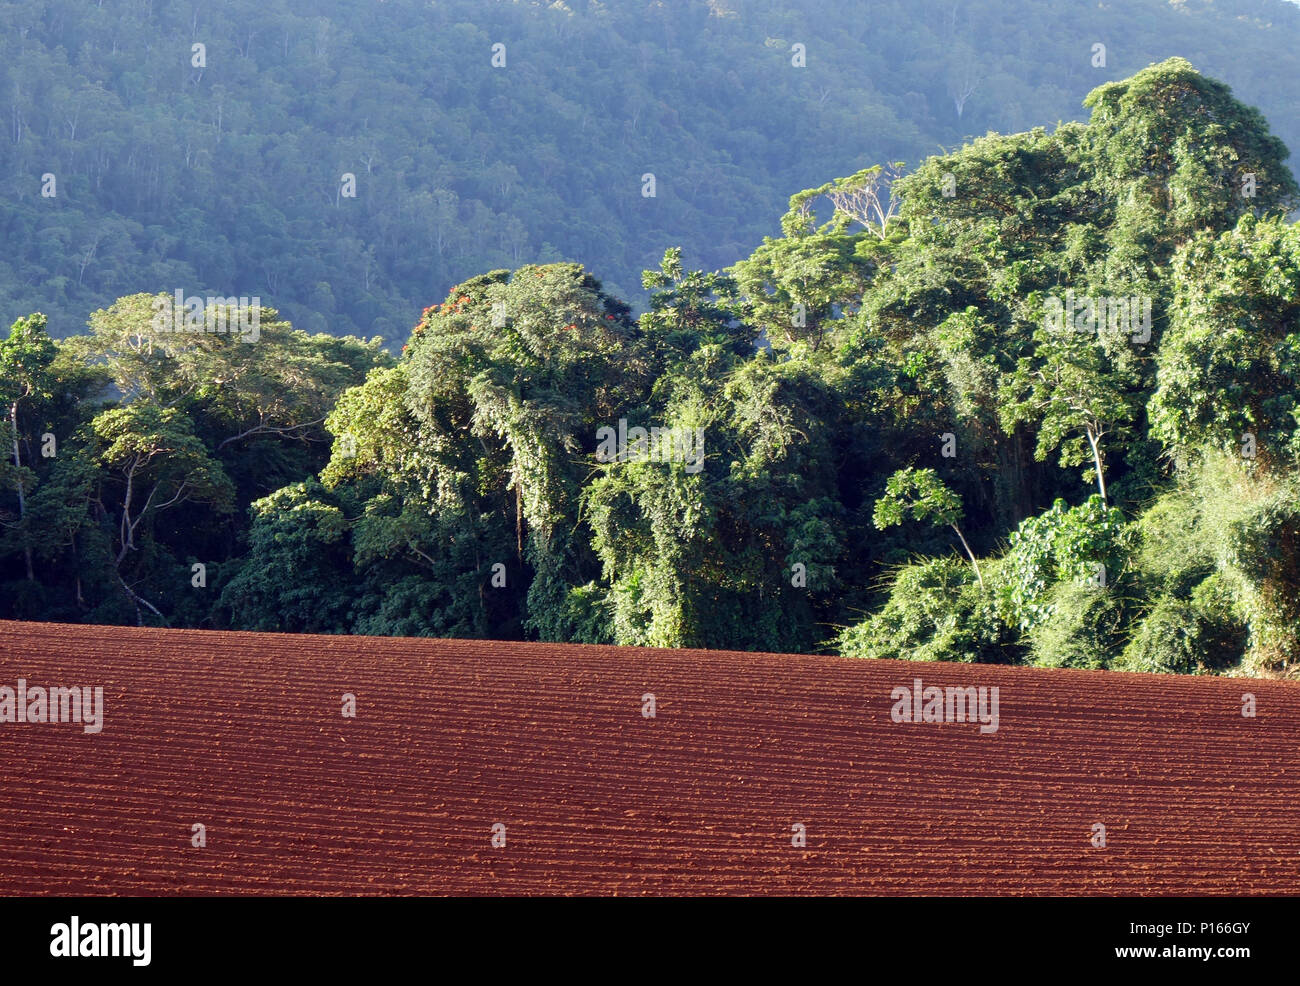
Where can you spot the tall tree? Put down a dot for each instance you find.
(26, 380)
(153, 462)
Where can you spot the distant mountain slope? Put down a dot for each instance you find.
(225, 177)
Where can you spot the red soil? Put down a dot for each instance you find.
(243, 732)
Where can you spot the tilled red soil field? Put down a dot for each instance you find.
(244, 733)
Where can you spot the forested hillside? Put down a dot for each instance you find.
(1032, 400)
(226, 177)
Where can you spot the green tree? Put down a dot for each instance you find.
(1076, 395)
(1229, 366)
(26, 382)
(153, 462)
(294, 577)
(919, 494)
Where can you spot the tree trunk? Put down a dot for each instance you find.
(137, 600)
(971, 555)
(519, 519)
(22, 499)
(1096, 459)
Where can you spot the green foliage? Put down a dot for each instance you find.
(134, 451)
(1229, 368)
(1063, 546)
(687, 313)
(290, 579)
(708, 559)
(1082, 626)
(1219, 550)
(916, 494)
(935, 611)
(827, 412)
(1074, 395)
(1174, 148)
(795, 285)
(27, 383)
(1202, 634)
(1257, 542)
(25, 361)
(531, 364)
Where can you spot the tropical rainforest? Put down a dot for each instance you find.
(1028, 398)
